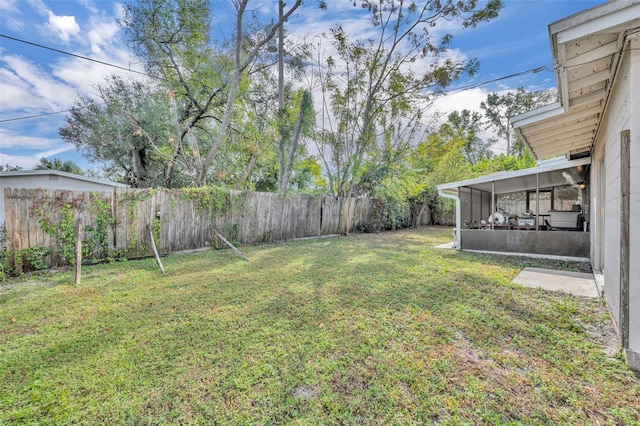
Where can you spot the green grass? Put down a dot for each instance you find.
(365, 329)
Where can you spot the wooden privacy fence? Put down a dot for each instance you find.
(115, 223)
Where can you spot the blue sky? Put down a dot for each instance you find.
(36, 81)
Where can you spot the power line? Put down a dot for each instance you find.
(75, 55)
(69, 54)
(462, 89)
(473, 86)
(33, 116)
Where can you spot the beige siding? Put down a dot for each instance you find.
(634, 222)
(623, 113)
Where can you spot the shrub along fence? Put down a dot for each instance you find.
(41, 224)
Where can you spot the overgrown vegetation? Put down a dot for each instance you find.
(366, 329)
(96, 241)
(211, 199)
(62, 231)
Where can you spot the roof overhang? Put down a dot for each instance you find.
(587, 51)
(556, 172)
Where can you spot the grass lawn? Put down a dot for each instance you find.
(365, 329)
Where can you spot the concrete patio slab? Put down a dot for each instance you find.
(445, 246)
(576, 283)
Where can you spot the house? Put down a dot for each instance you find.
(51, 179)
(595, 126)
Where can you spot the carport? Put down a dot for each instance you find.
(523, 211)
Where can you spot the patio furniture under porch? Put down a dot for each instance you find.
(540, 210)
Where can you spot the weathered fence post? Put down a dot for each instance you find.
(78, 250)
(153, 246)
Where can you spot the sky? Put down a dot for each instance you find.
(35, 81)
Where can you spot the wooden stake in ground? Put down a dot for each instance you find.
(153, 246)
(231, 246)
(78, 250)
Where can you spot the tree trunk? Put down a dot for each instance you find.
(286, 172)
(247, 171)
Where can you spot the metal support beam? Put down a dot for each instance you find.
(493, 203)
(537, 201)
(457, 240)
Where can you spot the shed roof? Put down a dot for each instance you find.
(22, 173)
(556, 172)
(587, 51)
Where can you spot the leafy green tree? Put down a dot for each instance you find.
(292, 129)
(172, 38)
(504, 162)
(307, 177)
(440, 159)
(467, 126)
(57, 164)
(498, 110)
(375, 95)
(9, 168)
(129, 129)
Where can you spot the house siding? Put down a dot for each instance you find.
(607, 146)
(634, 201)
(623, 113)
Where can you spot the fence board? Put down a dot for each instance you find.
(252, 218)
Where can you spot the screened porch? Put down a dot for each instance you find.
(542, 210)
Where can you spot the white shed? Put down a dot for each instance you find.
(51, 179)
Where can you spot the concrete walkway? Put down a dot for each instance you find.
(576, 283)
(448, 246)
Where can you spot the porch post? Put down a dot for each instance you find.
(537, 201)
(493, 203)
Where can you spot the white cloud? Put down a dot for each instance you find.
(26, 86)
(26, 151)
(65, 26)
(8, 6)
(102, 33)
(90, 6)
(13, 139)
(11, 15)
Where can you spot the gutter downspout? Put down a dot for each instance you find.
(456, 243)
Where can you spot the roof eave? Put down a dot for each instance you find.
(560, 165)
(535, 116)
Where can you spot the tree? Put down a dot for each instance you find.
(467, 126)
(441, 159)
(504, 162)
(172, 38)
(373, 94)
(57, 164)
(9, 168)
(498, 109)
(130, 129)
(292, 131)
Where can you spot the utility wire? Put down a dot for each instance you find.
(33, 116)
(76, 55)
(473, 86)
(462, 89)
(69, 54)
